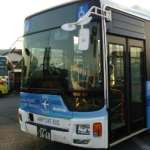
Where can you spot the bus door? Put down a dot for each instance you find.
(126, 87)
(137, 84)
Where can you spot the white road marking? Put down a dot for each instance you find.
(140, 143)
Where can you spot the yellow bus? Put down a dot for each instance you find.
(7, 71)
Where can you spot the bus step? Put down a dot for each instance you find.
(127, 137)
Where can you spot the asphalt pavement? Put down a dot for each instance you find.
(12, 138)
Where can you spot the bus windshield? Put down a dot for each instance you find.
(5, 66)
(61, 64)
(52, 62)
(3, 71)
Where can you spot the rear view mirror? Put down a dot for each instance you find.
(84, 37)
(27, 52)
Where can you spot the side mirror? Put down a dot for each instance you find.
(27, 52)
(84, 38)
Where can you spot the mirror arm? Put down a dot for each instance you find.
(105, 14)
(86, 19)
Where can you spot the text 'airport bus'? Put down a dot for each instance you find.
(6, 71)
(85, 74)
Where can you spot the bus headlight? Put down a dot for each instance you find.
(83, 129)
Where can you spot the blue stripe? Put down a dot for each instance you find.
(53, 106)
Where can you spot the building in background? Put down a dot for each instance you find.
(2, 52)
(15, 56)
(14, 53)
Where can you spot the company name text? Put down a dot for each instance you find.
(48, 121)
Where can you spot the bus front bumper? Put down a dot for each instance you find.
(65, 130)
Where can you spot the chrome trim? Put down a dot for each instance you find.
(105, 66)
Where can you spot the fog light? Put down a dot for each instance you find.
(81, 141)
(83, 129)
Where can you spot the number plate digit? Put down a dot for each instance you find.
(44, 133)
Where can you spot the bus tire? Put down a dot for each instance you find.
(148, 130)
(0, 93)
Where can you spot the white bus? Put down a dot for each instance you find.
(7, 71)
(85, 74)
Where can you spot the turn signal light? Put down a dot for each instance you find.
(97, 129)
(19, 117)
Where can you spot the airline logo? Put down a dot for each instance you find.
(45, 104)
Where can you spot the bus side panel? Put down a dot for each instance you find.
(147, 32)
(148, 103)
(147, 43)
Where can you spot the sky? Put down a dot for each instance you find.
(14, 12)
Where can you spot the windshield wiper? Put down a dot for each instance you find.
(44, 66)
(58, 85)
(49, 71)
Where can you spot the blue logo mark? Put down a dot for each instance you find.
(82, 10)
(27, 26)
(45, 104)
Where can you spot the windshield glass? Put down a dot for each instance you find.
(3, 71)
(52, 60)
(52, 63)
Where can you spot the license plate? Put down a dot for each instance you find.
(44, 133)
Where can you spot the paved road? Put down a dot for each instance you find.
(12, 138)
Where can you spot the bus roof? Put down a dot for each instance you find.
(135, 12)
(54, 7)
(143, 13)
(5, 57)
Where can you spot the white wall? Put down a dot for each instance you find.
(13, 56)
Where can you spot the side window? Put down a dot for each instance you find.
(136, 61)
(116, 64)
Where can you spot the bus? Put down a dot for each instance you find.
(85, 74)
(6, 71)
